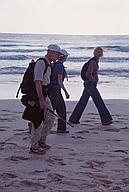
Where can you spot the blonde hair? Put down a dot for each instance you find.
(98, 49)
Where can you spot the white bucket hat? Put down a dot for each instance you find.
(54, 47)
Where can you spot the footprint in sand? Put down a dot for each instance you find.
(32, 184)
(4, 145)
(112, 130)
(54, 177)
(8, 175)
(1, 129)
(116, 140)
(121, 151)
(20, 133)
(126, 181)
(106, 183)
(78, 137)
(67, 148)
(17, 158)
(56, 160)
(82, 132)
(96, 163)
(86, 124)
(125, 128)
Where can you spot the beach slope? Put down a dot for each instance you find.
(91, 158)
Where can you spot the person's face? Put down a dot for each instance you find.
(55, 56)
(63, 59)
(98, 53)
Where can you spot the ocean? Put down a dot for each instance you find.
(16, 51)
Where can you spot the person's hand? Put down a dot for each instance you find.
(42, 104)
(67, 95)
(97, 79)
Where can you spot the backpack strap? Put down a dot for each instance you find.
(46, 64)
(18, 91)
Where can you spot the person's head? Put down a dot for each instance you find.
(63, 56)
(98, 52)
(53, 52)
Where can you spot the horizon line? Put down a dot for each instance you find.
(68, 34)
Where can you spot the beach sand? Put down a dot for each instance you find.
(91, 158)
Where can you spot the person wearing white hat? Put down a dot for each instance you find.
(56, 84)
(41, 79)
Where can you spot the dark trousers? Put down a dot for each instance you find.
(59, 106)
(90, 89)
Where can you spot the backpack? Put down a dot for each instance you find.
(27, 85)
(85, 68)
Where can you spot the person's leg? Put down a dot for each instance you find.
(30, 126)
(48, 122)
(35, 136)
(77, 113)
(54, 96)
(97, 99)
(61, 111)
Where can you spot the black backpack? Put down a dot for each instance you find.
(27, 85)
(85, 68)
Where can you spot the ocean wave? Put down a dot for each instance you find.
(105, 47)
(71, 73)
(12, 70)
(71, 59)
(107, 72)
(21, 50)
(117, 48)
(104, 59)
(17, 57)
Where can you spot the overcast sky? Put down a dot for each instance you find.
(65, 16)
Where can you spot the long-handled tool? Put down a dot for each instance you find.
(59, 117)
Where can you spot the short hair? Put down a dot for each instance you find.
(98, 49)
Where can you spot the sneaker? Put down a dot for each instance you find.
(107, 123)
(44, 146)
(38, 151)
(61, 131)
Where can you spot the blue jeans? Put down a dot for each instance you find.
(90, 89)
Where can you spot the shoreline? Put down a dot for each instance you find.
(91, 158)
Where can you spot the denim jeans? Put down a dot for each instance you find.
(90, 89)
(58, 104)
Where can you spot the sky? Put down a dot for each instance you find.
(65, 16)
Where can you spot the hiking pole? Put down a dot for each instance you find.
(59, 117)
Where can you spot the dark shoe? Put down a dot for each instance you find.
(44, 146)
(61, 131)
(74, 122)
(107, 123)
(38, 151)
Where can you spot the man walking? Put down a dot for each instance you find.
(38, 136)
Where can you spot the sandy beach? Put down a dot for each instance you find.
(91, 158)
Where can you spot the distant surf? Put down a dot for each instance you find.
(16, 51)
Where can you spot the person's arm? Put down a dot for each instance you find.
(38, 85)
(61, 84)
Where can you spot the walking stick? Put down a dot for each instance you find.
(59, 117)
